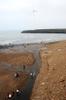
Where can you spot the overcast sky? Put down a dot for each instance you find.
(32, 14)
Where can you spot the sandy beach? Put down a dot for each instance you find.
(46, 60)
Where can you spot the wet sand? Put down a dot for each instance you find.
(50, 83)
(17, 59)
(12, 60)
(47, 60)
(9, 84)
(11, 64)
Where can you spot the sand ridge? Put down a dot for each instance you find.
(51, 81)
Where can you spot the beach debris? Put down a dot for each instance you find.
(16, 75)
(17, 91)
(10, 96)
(32, 74)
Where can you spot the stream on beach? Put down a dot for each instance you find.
(18, 38)
(35, 68)
(26, 93)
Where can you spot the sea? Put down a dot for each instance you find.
(16, 37)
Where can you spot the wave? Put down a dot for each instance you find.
(18, 38)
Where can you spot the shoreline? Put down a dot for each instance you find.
(3, 46)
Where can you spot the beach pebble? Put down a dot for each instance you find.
(43, 83)
(32, 74)
(17, 91)
(59, 50)
(62, 79)
(16, 75)
(10, 96)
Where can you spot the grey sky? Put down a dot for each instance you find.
(31, 14)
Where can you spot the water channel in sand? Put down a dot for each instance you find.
(35, 49)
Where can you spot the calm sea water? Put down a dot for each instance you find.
(18, 38)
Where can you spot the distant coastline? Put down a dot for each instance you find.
(45, 31)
